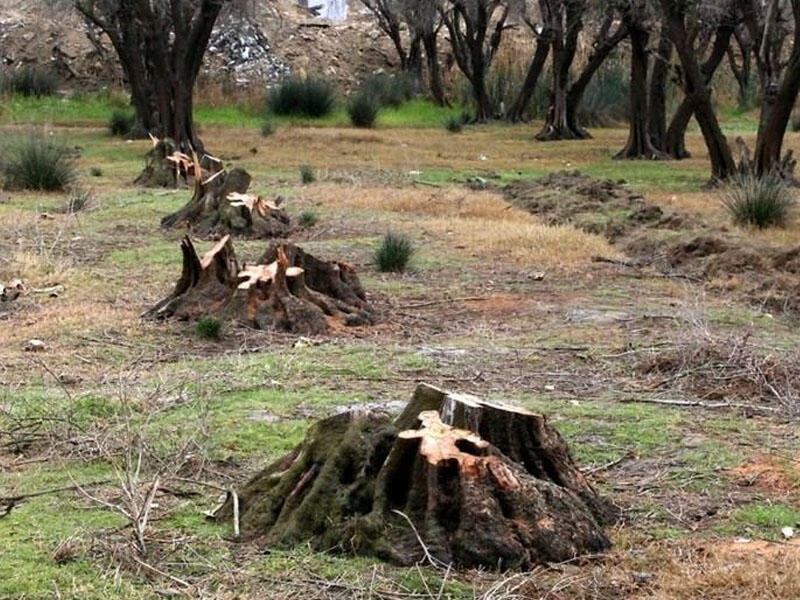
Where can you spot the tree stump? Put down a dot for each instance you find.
(159, 171)
(288, 290)
(452, 479)
(220, 205)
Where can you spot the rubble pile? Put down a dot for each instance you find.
(241, 50)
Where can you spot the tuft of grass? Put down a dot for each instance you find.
(363, 110)
(37, 163)
(308, 218)
(95, 171)
(304, 97)
(307, 174)
(30, 80)
(394, 253)
(77, 199)
(268, 128)
(757, 201)
(209, 328)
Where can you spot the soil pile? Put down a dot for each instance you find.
(675, 244)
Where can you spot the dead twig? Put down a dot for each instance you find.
(7, 503)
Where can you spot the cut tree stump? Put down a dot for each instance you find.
(453, 480)
(221, 205)
(287, 290)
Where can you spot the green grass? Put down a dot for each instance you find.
(762, 520)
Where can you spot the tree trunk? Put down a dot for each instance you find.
(639, 144)
(602, 50)
(564, 45)
(657, 119)
(696, 89)
(523, 99)
(430, 43)
(286, 290)
(675, 141)
(453, 479)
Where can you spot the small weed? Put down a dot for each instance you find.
(304, 97)
(209, 328)
(268, 128)
(37, 163)
(307, 174)
(95, 171)
(757, 201)
(394, 253)
(30, 80)
(363, 110)
(308, 218)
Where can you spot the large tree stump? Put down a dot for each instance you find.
(220, 205)
(434, 484)
(158, 170)
(288, 290)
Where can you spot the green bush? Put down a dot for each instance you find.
(308, 218)
(302, 97)
(757, 201)
(30, 80)
(393, 253)
(390, 90)
(121, 123)
(209, 328)
(363, 110)
(36, 163)
(307, 174)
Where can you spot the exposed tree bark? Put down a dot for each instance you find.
(604, 45)
(220, 205)
(160, 47)
(564, 18)
(675, 140)
(453, 479)
(696, 90)
(286, 290)
(638, 144)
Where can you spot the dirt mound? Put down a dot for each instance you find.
(600, 206)
(673, 243)
(279, 38)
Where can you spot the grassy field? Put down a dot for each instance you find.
(654, 380)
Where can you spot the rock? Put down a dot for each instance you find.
(34, 345)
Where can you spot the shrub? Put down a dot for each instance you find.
(303, 97)
(454, 124)
(757, 201)
(308, 218)
(30, 80)
(307, 174)
(363, 110)
(77, 199)
(209, 328)
(390, 90)
(393, 253)
(268, 128)
(121, 123)
(37, 163)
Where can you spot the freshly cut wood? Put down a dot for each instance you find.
(433, 484)
(286, 290)
(221, 205)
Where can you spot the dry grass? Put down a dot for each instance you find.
(725, 570)
(478, 223)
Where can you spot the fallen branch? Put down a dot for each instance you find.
(444, 301)
(701, 404)
(7, 503)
